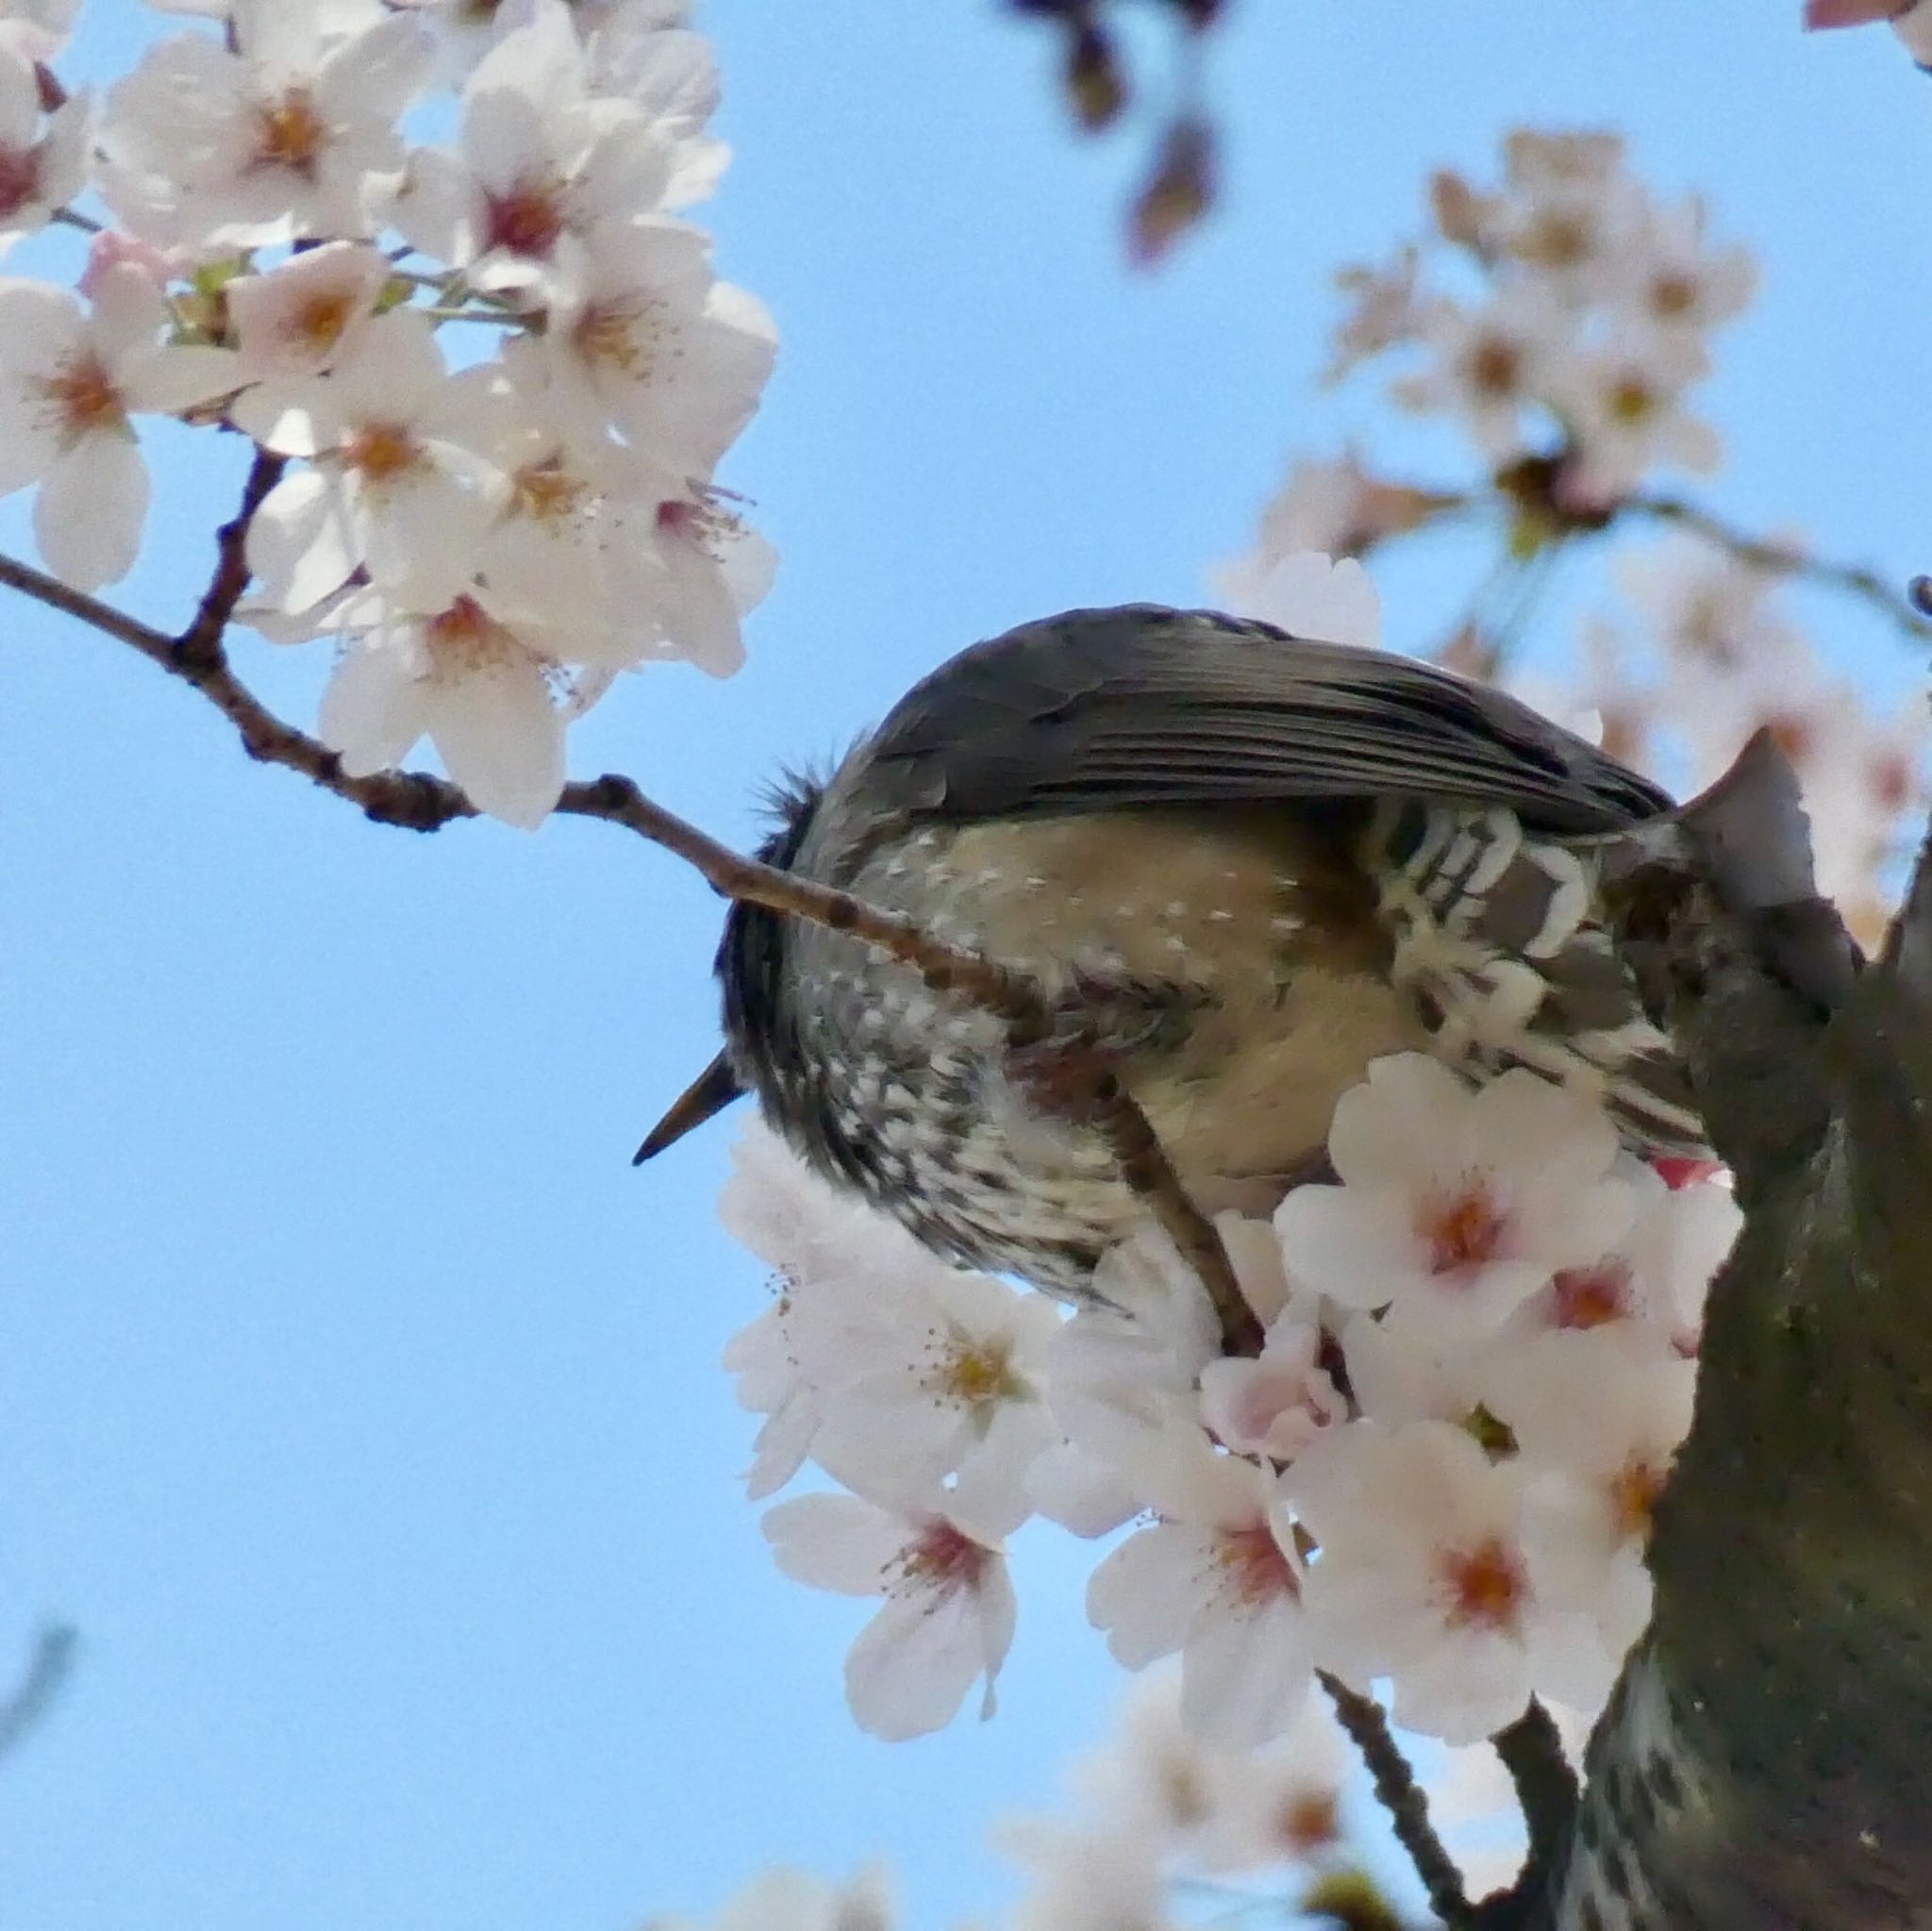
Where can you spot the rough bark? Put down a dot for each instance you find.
(1767, 1758)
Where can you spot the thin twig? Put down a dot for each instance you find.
(201, 642)
(421, 803)
(47, 1668)
(1887, 599)
(1398, 1792)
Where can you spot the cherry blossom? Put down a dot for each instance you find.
(1277, 1403)
(954, 1386)
(480, 691)
(42, 166)
(948, 1613)
(69, 383)
(645, 339)
(1216, 1578)
(1651, 1283)
(541, 158)
(716, 568)
(839, 1265)
(289, 134)
(1673, 280)
(37, 29)
(1624, 405)
(1454, 1204)
(394, 485)
(1310, 595)
(1489, 366)
(305, 314)
(1422, 1577)
(1604, 1422)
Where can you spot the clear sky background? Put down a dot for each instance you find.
(358, 1401)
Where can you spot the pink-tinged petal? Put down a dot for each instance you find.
(507, 136)
(308, 312)
(302, 545)
(1392, 1127)
(64, 151)
(373, 709)
(422, 535)
(542, 63)
(377, 73)
(837, 1542)
(393, 371)
(1138, 1597)
(780, 1447)
(1353, 1243)
(1246, 1674)
(30, 438)
(1079, 1491)
(20, 101)
(1465, 1690)
(91, 505)
(295, 415)
(913, 1663)
(129, 312)
(164, 381)
(37, 326)
(436, 210)
(113, 249)
(701, 620)
(498, 733)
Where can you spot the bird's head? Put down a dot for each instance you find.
(760, 1042)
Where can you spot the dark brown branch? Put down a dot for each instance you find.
(1398, 1792)
(203, 638)
(1547, 1793)
(420, 802)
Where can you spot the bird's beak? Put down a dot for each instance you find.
(710, 1092)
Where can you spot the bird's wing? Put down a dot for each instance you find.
(1145, 706)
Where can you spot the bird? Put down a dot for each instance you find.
(1240, 864)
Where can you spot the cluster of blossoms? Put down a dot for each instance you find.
(1155, 1812)
(1587, 327)
(1479, 1360)
(1570, 372)
(1715, 655)
(1559, 321)
(493, 542)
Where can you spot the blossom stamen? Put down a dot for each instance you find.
(1254, 1565)
(290, 133)
(381, 451)
(1485, 1586)
(528, 219)
(84, 396)
(1463, 1230)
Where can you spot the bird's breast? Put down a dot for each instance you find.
(1229, 962)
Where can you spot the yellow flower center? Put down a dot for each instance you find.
(290, 133)
(83, 396)
(381, 451)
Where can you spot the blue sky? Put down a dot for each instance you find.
(356, 1400)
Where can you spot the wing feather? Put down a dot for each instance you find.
(1146, 706)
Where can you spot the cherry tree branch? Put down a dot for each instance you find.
(1402, 1796)
(1083, 1082)
(1888, 600)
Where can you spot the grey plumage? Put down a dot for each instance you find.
(1252, 861)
